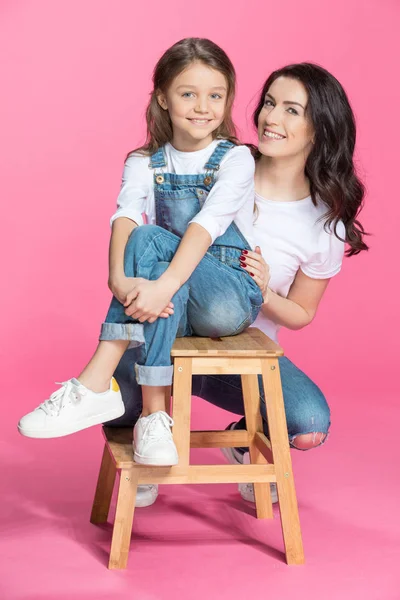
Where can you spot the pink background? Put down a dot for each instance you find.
(75, 81)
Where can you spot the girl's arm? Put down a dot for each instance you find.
(191, 250)
(121, 230)
(146, 299)
(119, 284)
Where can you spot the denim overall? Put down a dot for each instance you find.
(219, 299)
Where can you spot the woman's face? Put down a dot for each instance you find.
(283, 128)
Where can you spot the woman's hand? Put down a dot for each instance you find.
(256, 266)
(128, 288)
(148, 300)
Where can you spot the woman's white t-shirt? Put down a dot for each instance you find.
(230, 199)
(292, 236)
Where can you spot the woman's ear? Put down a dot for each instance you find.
(162, 100)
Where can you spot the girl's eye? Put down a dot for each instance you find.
(292, 111)
(216, 96)
(188, 95)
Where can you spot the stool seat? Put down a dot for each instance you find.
(252, 342)
(248, 354)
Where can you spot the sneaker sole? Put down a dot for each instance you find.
(143, 460)
(230, 456)
(146, 500)
(75, 427)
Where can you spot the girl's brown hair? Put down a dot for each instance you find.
(175, 60)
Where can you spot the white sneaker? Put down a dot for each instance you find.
(152, 440)
(234, 457)
(146, 495)
(71, 408)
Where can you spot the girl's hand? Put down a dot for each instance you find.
(126, 286)
(121, 287)
(147, 300)
(255, 265)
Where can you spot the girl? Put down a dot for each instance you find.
(196, 186)
(307, 198)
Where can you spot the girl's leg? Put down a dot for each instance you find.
(131, 392)
(219, 304)
(98, 372)
(220, 301)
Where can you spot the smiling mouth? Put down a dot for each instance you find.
(270, 135)
(200, 121)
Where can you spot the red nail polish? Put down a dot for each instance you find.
(243, 264)
(252, 274)
(245, 251)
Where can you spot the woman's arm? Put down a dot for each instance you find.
(300, 306)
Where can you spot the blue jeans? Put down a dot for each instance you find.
(219, 299)
(306, 408)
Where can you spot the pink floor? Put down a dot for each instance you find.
(202, 541)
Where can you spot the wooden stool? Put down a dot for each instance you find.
(247, 354)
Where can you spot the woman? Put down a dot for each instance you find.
(307, 200)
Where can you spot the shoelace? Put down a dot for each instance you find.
(152, 431)
(58, 399)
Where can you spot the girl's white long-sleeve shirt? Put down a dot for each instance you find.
(231, 199)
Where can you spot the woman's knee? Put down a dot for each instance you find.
(308, 441)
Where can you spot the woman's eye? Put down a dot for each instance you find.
(292, 111)
(268, 103)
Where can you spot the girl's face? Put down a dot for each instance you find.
(284, 130)
(196, 101)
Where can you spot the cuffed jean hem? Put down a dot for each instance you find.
(154, 375)
(123, 331)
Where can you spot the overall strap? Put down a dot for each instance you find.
(214, 161)
(157, 160)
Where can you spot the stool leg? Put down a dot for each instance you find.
(104, 489)
(283, 464)
(122, 530)
(181, 403)
(251, 397)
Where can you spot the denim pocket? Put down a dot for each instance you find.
(175, 209)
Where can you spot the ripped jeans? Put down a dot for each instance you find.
(306, 409)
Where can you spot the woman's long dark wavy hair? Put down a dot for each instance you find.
(329, 166)
(175, 60)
